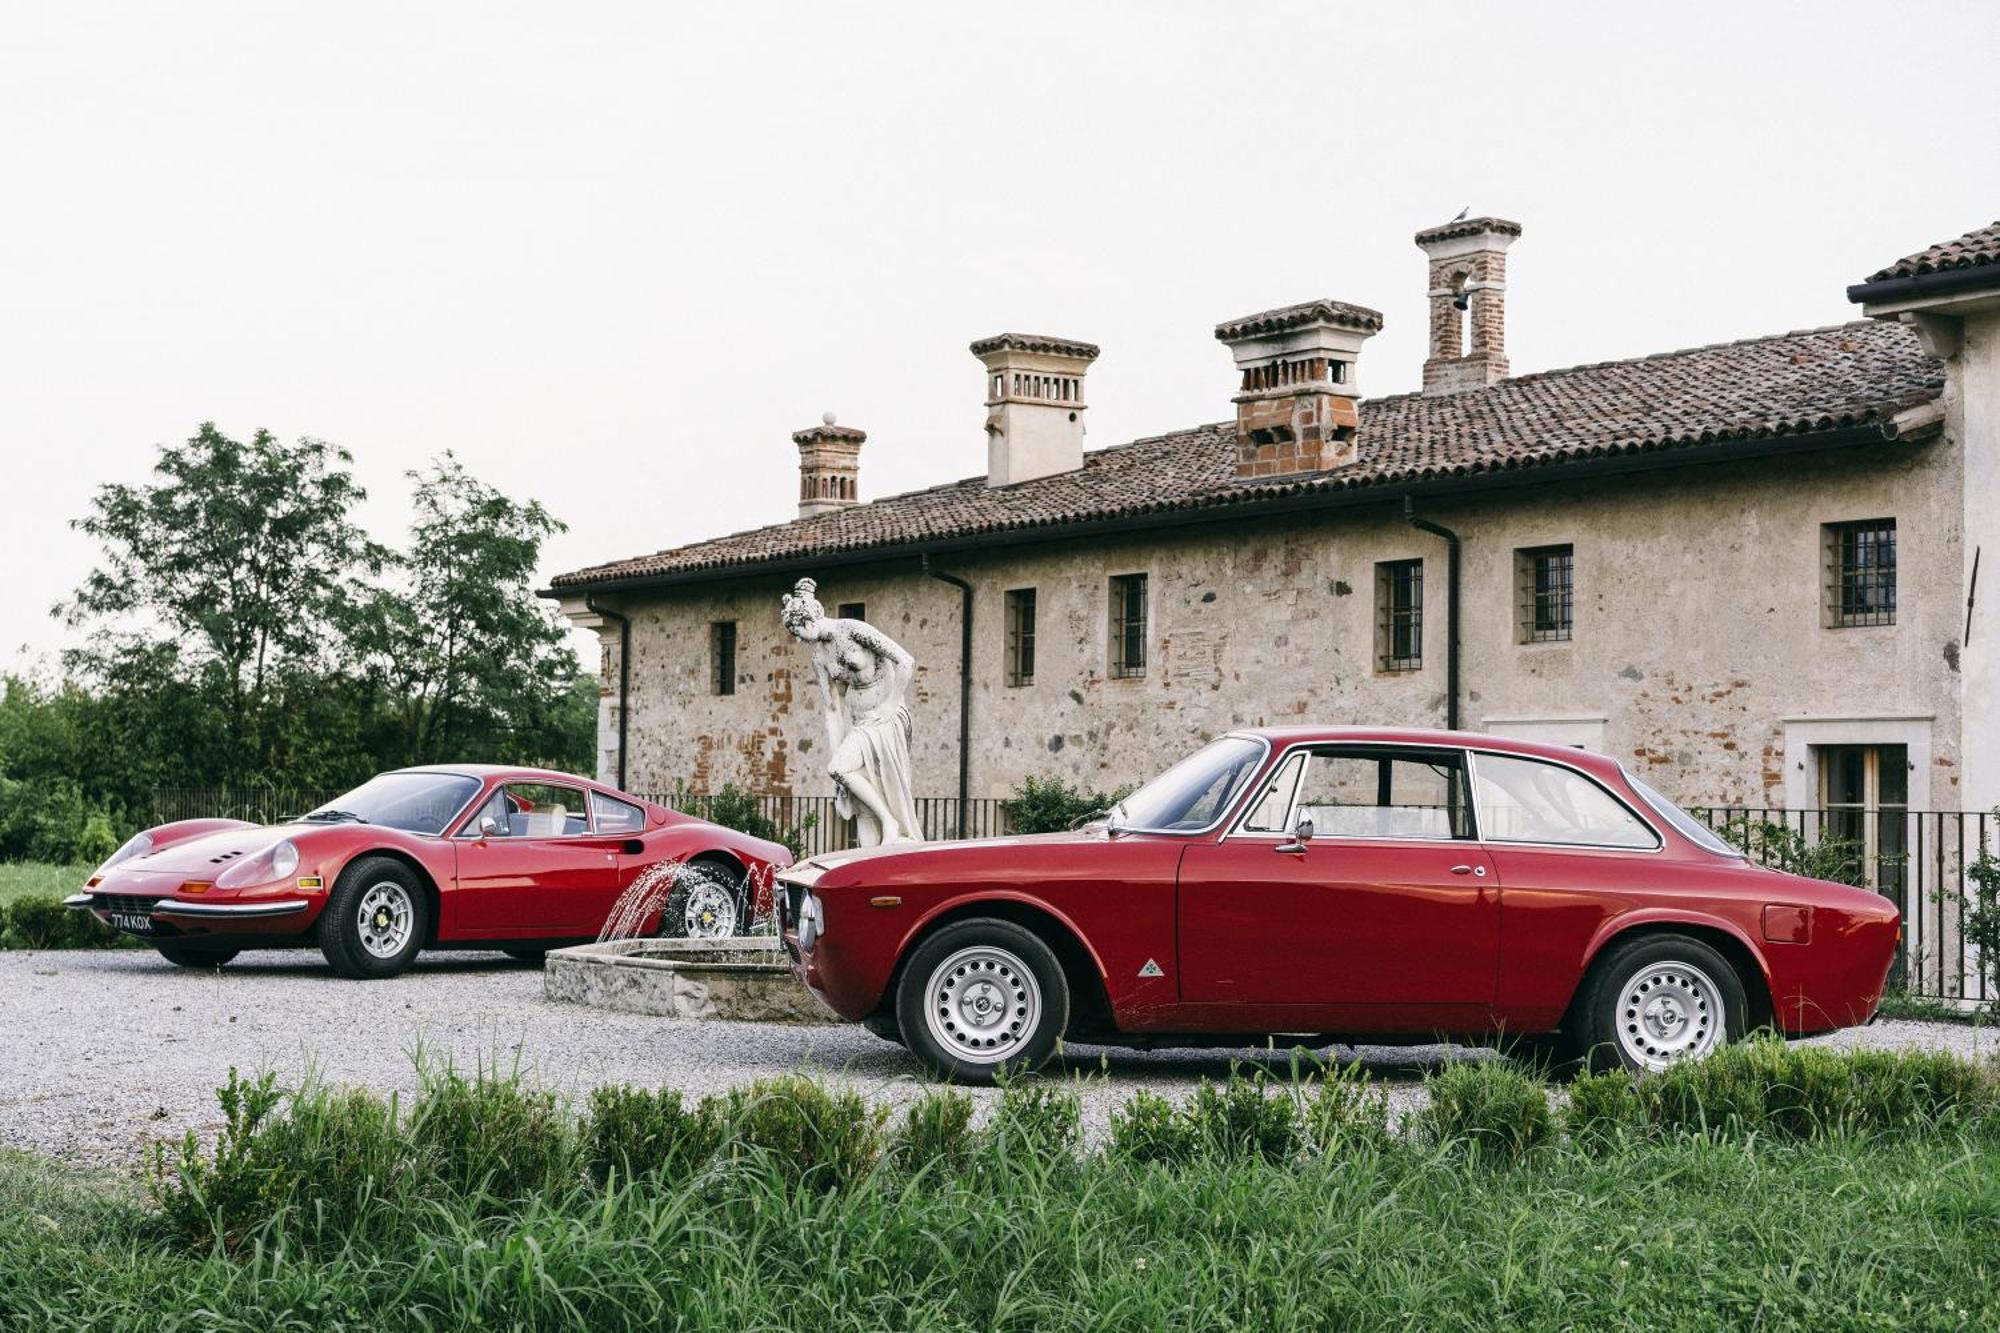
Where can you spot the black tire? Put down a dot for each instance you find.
(975, 963)
(884, 1026)
(393, 936)
(526, 953)
(1704, 1005)
(706, 902)
(184, 954)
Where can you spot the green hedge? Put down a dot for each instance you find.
(40, 921)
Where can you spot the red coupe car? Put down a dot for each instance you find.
(453, 857)
(1323, 884)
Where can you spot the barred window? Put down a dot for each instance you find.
(722, 657)
(852, 611)
(1545, 584)
(1021, 636)
(1128, 625)
(1860, 561)
(1399, 615)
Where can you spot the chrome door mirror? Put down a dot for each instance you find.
(1302, 833)
(487, 827)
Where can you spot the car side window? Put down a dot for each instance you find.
(1386, 793)
(1529, 800)
(1267, 813)
(534, 810)
(616, 816)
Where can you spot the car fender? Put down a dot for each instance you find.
(1614, 927)
(955, 904)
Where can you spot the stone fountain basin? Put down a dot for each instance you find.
(745, 978)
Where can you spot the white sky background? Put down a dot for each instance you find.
(614, 255)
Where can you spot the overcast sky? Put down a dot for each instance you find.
(614, 254)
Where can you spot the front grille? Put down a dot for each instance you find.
(124, 902)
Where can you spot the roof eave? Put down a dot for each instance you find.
(1945, 283)
(1387, 490)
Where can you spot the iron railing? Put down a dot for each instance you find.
(818, 827)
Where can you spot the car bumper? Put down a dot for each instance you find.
(167, 917)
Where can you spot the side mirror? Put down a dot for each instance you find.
(1302, 833)
(487, 827)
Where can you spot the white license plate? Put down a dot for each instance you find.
(131, 923)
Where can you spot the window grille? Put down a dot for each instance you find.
(1128, 625)
(1861, 573)
(1546, 578)
(722, 657)
(1021, 636)
(1399, 615)
(852, 611)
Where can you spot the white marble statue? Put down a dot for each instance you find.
(863, 676)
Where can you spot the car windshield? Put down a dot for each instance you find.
(414, 802)
(1195, 792)
(1696, 832)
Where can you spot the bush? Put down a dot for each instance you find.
(1782, 847)
(1240, 1119)
(490, 1137)
(1149, 1128)
(222, 1195)
(40, 921)
(936, 1134)
(649, 1135)
(732, 807)
(1050, 805)
(1604, 1108)
(50, 819)
(1036, 1122)
(1487, 1108)
(1344, 1109)
(342, 1155)
(804, 1134)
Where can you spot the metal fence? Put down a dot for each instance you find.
(1918, 859)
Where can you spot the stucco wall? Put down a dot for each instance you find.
(1698, 632)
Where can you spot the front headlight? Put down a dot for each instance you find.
(278, 861)
(136, 845)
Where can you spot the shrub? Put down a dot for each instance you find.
(1782, 847)
(1604, 1107)
(490, 1138)
(1981, 894)
(1149, 1128)
(732, 807)
(1240, 1119)
(805, 1134)
(1345, 1109)
(1036, 1122)
(342, 1154)
(1050, 805)
(221, 1195)
(642, 1134)
(936, 1133)
(1488, 1108)
(40, 921)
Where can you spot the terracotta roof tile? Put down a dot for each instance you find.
(1793, 383)
(1975, 249)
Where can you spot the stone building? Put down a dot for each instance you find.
(1748, 569)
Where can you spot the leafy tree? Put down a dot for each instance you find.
(241, 556)
(471, 660)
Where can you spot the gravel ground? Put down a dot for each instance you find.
(101, 1053)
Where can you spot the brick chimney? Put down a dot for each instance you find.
(1034, 405)
(1295, 410)
(1468, 291)
(829, 466)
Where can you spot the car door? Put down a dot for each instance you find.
(1387, 912)
(530, 865)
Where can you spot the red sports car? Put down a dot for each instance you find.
(453, 857)
(1323, 884)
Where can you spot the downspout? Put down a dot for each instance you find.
(624, 671)
(1450, 608)
(964, 684)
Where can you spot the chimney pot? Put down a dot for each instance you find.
(1468, 297)
(1034, 404)
(829, 466)
(1295, 408)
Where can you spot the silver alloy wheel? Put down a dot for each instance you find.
(710, 913)
(1668, 1011)
(386, 917)
(982, 1004)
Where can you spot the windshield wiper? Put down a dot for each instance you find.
(1111, 818)
(331, 817)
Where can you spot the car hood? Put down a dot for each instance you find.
(1093, 836)
(212, 853)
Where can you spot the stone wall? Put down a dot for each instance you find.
(1698, 634)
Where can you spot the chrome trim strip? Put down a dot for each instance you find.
(1229, 806)
(1472, 759)
(79, 902)
(1291, 810)
(236, 911)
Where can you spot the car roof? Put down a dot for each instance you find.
(485, 771)
(1474, 740)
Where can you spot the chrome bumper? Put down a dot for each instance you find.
(80, 902)
(230, 911)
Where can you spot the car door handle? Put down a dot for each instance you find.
(1469, 870)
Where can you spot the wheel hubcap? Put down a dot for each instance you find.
(982, 1004)
(1666, 1012)
(711, 911)
(386, 917)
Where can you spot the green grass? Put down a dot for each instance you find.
(482, 1204)
(19, 878)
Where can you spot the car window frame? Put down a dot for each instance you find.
(467, 829)
(1309, 748)
(1233, 808)
(1472, 754)
(592, 795)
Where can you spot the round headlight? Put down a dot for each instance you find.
(136, 845)
(284, 859)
